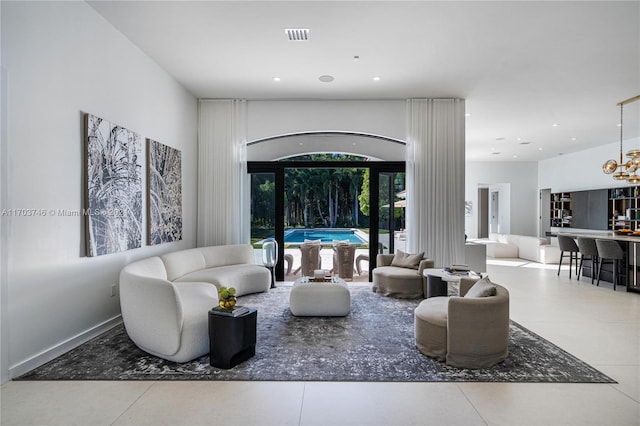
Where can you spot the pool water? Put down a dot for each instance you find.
(326, 236)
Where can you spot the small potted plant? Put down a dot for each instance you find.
(227, 298)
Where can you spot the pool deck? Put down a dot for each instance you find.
(326, 254)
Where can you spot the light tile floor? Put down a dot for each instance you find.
(596, 324)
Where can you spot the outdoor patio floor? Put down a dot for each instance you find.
(326, 255)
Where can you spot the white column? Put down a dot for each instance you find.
(435, 179)
(223, 216)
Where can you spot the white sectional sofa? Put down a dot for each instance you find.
(165, 300)
(523, 247)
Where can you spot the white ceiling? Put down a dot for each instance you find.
(521, 66)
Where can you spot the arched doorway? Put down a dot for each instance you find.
(374, 147)
(385, 185)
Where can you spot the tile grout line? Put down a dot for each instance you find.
(152, 384)
(472, 404)
(304, 388)
(617, 389)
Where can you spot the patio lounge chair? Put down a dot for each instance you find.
(310, 259)
(343, 256)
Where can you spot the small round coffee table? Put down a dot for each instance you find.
(438, 282)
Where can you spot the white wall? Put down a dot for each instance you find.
(277, 117)
(582, 170)
(518, 199)
(62, 60)
(516, 181)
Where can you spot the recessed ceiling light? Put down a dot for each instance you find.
(467, 114)
(276, 78)
(326, 78)
(574, 139)
(515, 156)
(540, 149)
(555, 125)
(376, 78)
(297, 34)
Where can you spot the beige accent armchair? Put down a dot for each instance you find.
(469, 332)
(395, 281)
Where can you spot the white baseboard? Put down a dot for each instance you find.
(55, 351)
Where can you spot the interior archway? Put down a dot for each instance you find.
(270, 159)
(374, 147)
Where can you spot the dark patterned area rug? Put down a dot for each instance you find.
(375, 342)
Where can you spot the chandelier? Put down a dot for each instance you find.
(624, 171)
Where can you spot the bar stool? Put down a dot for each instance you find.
(568, 244)
(588, 249)
(609, 250)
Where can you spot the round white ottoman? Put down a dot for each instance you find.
(320, 299)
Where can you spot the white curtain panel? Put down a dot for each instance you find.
(223, 183)
(435, 179)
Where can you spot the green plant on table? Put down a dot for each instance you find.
(227, 297)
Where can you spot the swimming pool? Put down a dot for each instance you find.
(325, 235)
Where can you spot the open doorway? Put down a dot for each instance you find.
(545, 216)
(298, 200)
(483, 212)
(380, 155)
(494, 211)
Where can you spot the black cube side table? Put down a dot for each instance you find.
(435, 287)
(232, 340)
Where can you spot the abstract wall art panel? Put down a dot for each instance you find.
(468, 208)
(164, 195)
(113, 173)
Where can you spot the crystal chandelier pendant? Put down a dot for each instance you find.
(634, 153)
(624, 171)
(621, 176)
(609, 167)
(635, 179)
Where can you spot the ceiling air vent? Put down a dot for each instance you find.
(297, 34)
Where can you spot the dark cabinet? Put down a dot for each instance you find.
(590, 209)
(597, 209)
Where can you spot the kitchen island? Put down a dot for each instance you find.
(629, 273)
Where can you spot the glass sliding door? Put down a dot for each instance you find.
(392, 202)
(385, 208)
(263, 206)
(323, 203)
(290, 200)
